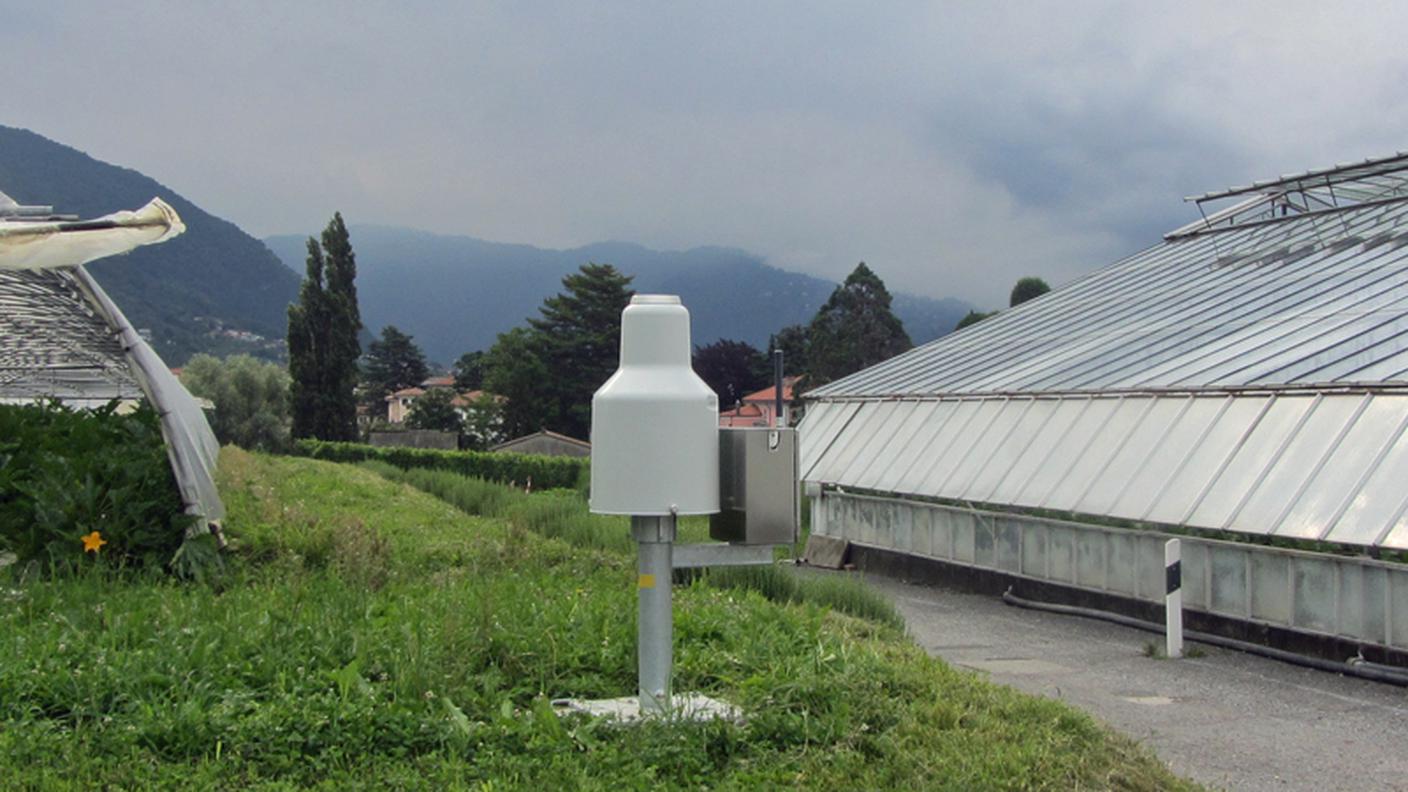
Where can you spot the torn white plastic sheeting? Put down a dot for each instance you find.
(65, 246)
(52, 244)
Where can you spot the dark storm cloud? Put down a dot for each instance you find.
(954, 147)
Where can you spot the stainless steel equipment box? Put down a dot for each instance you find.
(758, 498)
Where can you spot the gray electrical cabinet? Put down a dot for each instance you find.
(758, 498)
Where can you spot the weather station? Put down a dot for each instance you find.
(658, 454)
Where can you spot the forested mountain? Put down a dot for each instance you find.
(456, 293)
(214, 288)
(217, 289)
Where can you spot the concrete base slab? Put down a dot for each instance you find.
(826, 551)
(684, 706)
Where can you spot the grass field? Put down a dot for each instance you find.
(366, 634)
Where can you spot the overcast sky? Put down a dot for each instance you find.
(952, 146)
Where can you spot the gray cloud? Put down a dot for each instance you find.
(954, 147)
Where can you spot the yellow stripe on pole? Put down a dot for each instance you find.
(646, 582)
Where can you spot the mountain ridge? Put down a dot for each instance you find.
(426, 284)
(194, 293)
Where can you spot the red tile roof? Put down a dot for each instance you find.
(767, 394)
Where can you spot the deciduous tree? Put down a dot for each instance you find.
(1027, 289)
(435, 409)
(732, 368)
(250, 398)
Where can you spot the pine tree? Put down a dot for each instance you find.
(578, 339)
(322, 340)
(513, 370)
(393, 362)
(854, 329)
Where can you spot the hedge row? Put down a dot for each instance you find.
(544, 472)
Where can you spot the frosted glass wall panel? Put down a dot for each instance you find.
(943, 459)
(911, 463)
(1002, 425)
(1092, 450)
(1250, 460)
(1204, 460)
(1049, 476)
(1264, 508)
(1126, 454)
(820, 429)
(1017, 446)
(857, 433)
(1012, 487)
(1376, 503)
(1398, 537)
(879, 476)
(1173, 450)
(880, 427)
(1310, 517)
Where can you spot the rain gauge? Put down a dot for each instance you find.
(658, 454)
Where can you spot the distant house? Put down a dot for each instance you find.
(548, 444)
(398, 404)
(756, 409)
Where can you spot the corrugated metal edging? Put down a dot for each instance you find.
(1327, 466)
(1310, 301)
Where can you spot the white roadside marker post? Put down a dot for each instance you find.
(1173, 598)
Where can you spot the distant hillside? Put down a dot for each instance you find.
(206, 290)
(456, 293)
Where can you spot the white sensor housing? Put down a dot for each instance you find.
(655, 424)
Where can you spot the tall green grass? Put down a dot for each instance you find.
(563, 514)
(366, 636)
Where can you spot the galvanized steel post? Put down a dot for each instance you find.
(655, 629)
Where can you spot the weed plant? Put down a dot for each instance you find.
(367, 635)
(68, 474)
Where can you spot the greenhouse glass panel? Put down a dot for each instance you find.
(1003, 424)
(957, 450)
(917, 415)
(1013, 450)
(1249, 462)
(1263, 510)
(1070, 451)
(877, 433)
(1347, 465)
(1204, 460)
(819, 430)
(911, 463)
(1127, 453)
(857, 432)
(1050, 438)
(1376, 503)
(1162, 462)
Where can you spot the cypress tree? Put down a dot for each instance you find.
(322, 340)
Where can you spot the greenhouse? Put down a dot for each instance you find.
(1247, 376)
(62, 337)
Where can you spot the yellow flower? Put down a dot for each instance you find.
(93, 542)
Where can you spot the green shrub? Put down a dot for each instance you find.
(544, 472)
(66, 474)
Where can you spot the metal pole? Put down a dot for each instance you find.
(777, 420)
(655, 618)
(1173, 598)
